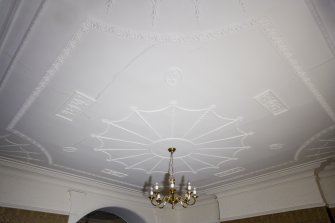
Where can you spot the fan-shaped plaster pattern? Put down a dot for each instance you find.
(320, 145)
(14, 150)
(140, 140)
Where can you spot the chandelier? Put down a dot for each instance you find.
(159, 200)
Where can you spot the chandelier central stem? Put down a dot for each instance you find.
(171, 171)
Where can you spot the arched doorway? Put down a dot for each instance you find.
(111, 215)
(100, 216)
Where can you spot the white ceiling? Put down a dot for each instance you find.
(101, 89)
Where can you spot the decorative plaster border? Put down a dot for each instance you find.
(310, 140)
(323, 28)
(26, 37)
(8, 22)
(280, 45)
(130, 34)
(32, 141)
(93, 24)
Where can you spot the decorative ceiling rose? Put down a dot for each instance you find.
(159, 200)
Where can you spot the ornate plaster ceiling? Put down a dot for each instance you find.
(101, 89)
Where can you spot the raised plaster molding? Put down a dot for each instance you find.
(8, 22)
(109, 5)
(60, 60)
(323, 28)
(155, 9)
(195, 147)
(271, 102)
(173, 76)
(74, 106)
(95, 25)
(11, 149)
(243, 5)
(130, 34)
(260, 171)
(312, 139)
(114, 173)
(276, 146)
(25, 39)
(154, 12)
(299, 171)
(196, 4)
(327, 147)
(33, 142)
(280, 45)
(230, 172)
(70, 149)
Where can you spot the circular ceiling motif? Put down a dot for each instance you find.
(319, 146)
(141, 139)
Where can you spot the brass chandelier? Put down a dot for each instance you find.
(159, 200)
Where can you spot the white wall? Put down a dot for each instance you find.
(204, 212)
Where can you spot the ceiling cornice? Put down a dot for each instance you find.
(73, 182)
(275, 177)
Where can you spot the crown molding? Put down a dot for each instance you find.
(276, 177)
(329, 171)
(71, 181)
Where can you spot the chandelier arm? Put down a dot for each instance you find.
(154, 201)
(184, 202)
(194, 199)
(164, 201)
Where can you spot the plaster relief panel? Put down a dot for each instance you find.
(74, 106)
(271, 102)
(11, 149)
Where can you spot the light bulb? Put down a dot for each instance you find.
(151, 191)
(189, 186)
(194, 191)
(172, 185)
(156, 186)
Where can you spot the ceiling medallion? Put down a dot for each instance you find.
(159, 200)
